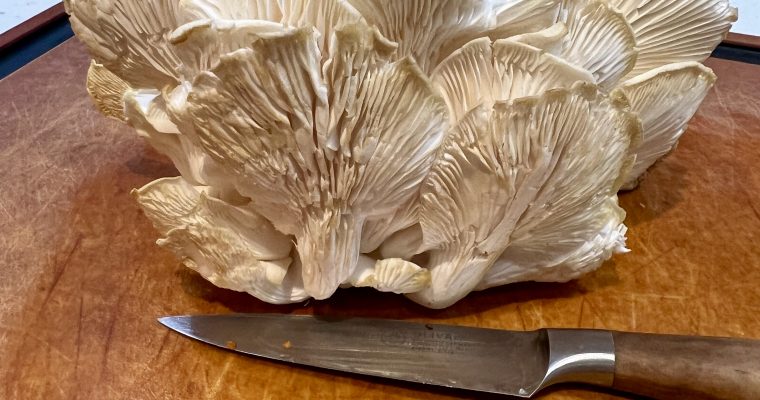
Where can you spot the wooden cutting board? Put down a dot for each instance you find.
(82, 282)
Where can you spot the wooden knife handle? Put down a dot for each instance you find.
(687, 367)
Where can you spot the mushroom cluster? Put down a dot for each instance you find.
(423, 147)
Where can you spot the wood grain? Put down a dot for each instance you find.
(687, 367)
(81, 280)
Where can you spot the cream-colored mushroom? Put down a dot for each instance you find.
(423, 147)
(675, 31)
(549, 39)
(430, 30)
(232, 246)
(318, 154)
(390, 275)
(665, 99)
(600, 40)
(483, 72)
(530, 173)
(107, 91)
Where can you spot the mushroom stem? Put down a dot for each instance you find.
(329, 249)
(455, 271)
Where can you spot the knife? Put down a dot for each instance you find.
(489, 360)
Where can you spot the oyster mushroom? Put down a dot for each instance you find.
(107, 91)
(390, 275)
(318, 155)
(665, 99)
(538, 170)
(600, 40)
(631, 41)
(675, 31)
(485, 72)
(421, 147)
(232, 246)
(430, 30)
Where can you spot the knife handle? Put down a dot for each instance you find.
(686, 367)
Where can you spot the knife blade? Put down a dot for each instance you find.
(489, 360)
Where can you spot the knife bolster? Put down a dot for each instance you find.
(581, 356)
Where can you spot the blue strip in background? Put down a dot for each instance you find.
(737, 53)
(34, 45)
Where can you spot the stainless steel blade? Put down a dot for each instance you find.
(487, 360)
